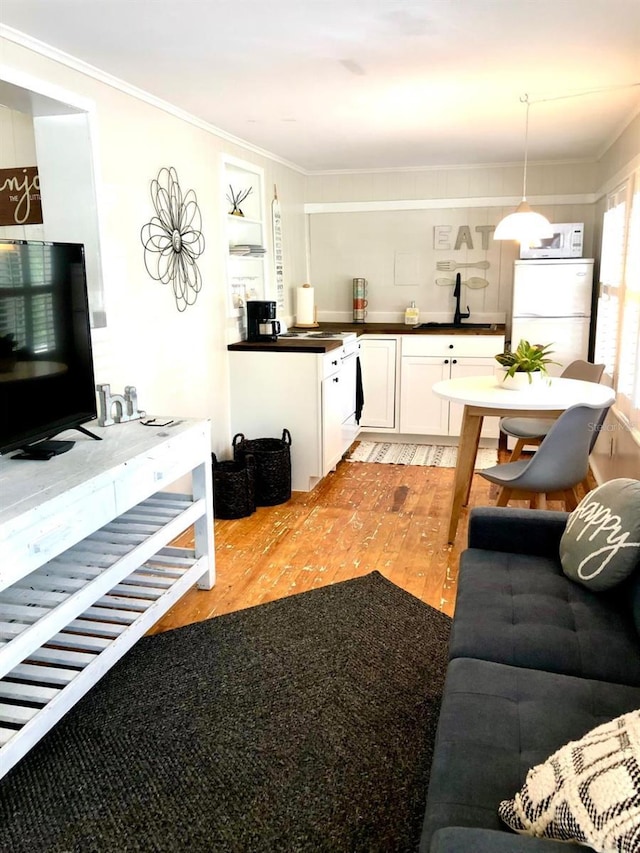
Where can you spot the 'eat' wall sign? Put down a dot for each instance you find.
(443, 236)
(20, 196)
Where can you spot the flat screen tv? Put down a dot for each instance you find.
(46, 363)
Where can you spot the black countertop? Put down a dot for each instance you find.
(322, 345)
(317, 345)
(402, 329)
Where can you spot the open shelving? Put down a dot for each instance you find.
(246, 274)
(69, 614)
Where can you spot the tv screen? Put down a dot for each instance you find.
(46, 363)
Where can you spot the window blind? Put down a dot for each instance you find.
(611, 281)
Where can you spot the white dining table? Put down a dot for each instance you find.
(486, 396)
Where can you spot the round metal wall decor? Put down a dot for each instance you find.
(173, 239)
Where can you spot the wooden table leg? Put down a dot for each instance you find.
(467, 451)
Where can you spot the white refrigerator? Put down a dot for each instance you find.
(552, 302)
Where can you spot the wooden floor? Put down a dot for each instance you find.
(364, 517)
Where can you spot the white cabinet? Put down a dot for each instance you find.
(378, 356)
(86, 562)
(463, 367)
(310, 394)
(332, 406)
(421, 412)
(244, 235)
(427, 359)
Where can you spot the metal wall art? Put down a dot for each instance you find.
(173, 239)
(235, 199)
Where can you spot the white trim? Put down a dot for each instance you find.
(443, 167)
(45, 90)
(616, 134)
(442, 203)
(122, 86)
(619, 178)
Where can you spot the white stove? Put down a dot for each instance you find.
(346, 337)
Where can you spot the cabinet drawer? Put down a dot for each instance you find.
(45, 533)
(331, 362)
(160, 467)
(459, 345)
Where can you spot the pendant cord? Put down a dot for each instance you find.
(525, 100)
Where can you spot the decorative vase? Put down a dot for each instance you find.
(521, 381)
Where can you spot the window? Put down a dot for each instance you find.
(27, 309)
(618, 323)
(628, 385)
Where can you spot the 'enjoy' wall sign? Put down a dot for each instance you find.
(20, 196)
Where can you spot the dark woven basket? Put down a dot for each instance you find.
(234, 487)
(273, 466)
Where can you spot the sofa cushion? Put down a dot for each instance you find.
(465, 839)
(498, 721)
(601, 543)
(522, 610)
(588, 791)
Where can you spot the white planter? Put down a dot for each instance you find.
(522, 381)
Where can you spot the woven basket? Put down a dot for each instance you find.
(273, 466)
(234, 487)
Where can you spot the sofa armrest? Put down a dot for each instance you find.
(463, 839)
(518, 531)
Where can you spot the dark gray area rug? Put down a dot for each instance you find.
(305, 724)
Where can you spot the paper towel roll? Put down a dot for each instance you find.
(305, 310)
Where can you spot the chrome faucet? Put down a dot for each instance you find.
(458, 317)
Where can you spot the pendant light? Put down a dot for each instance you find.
(524, 225)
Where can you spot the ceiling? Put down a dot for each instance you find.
(369, 84)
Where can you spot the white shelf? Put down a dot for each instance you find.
(244, 220)
(64, 623)
(249, 228)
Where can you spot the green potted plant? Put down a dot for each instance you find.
(8, 356)
(527, 363)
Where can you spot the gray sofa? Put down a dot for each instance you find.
(536, 660)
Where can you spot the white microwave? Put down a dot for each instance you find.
(566, 242)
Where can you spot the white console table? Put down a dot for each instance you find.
(85, 562)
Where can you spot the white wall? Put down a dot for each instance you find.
(362, 222)
(452, 182)
(177, 361)
(377, 245)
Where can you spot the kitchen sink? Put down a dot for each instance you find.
(457, 326)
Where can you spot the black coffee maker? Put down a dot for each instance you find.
(261, 321)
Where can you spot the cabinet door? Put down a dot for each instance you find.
(421, 411)
(461, 367)
(332, 404)
(378, 362)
